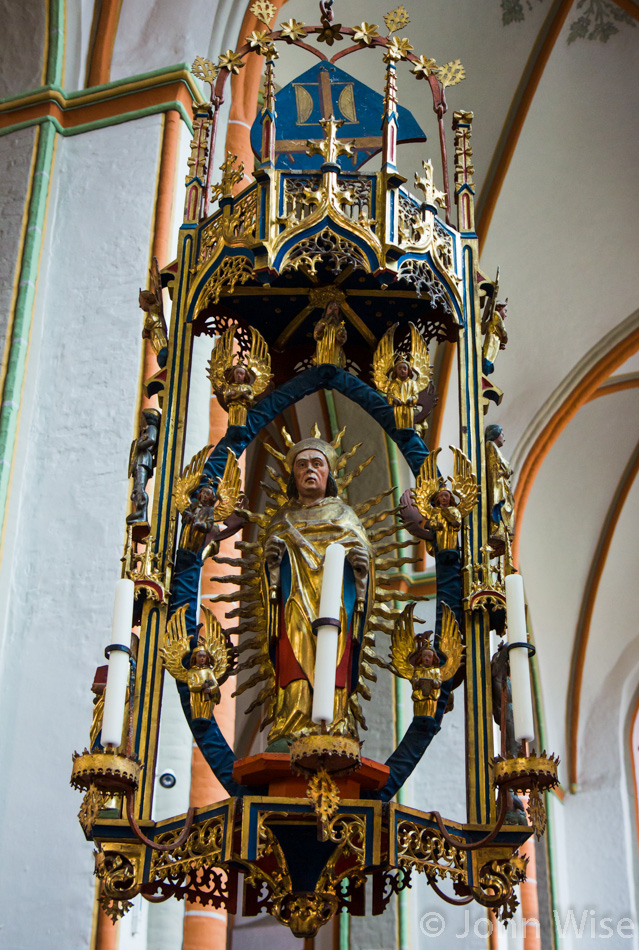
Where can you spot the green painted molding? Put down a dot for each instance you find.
(55, 41)
(165, 74)
(172, 106)
(22, 317)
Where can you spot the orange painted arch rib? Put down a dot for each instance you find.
(581, 393)
(588, 605)
(99, 64)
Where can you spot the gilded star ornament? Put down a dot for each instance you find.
(263, 10)
(451, 73)
(205, 70)
(231, 61)
(330, 33)
(365, 33)
(423, 66)
(397, 19)
(259, 40)
(397, 49)
(293, 30)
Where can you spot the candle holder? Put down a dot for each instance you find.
(532, 775)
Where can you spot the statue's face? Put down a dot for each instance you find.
(402, 371)
(444, 498)
(310, 470)
(240, 374)
(200, 658)
(501, 438)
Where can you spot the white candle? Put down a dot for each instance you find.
(118, 674)
(519, 662)
(326, 650)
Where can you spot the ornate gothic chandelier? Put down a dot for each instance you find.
(282, 274)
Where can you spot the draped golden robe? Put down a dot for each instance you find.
(501, 505)
(307, 532)
(402, 395)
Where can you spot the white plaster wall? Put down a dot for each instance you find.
(23, 35)
(16, 150)
(152, 36)
(66, 527)
(570, 498)
(563, 230)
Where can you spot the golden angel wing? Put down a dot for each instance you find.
(450, 643)
(228, 489)
(156, 284)
(428, 482)
(420, 358)
(383, 360)
(259, 363)
(176, 644)
(221, 358)
(216, 643)
(403, 643)
(464, 482)
(190, 479)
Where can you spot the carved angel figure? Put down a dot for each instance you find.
(414, 658)
(437, 504)
(401, 377)
(496, 337)
(154, 329)
(239, 384)
(210, 665)
(210, 505)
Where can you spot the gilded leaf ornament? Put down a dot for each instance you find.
(205, 70)
(396, 19)
(263, 10)
(451, 73)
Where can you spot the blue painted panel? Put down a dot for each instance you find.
(321, 90)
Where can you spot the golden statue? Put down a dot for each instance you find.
(492, 326)
(401, 377)
(281, 586)
(210, 665)
(154, 329)
(330, 335)
(210, 505)
(436, 503)
(238, 384)
(501, 504)
(413, 657)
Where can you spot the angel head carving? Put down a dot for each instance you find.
(441, 507)
(211, 662)
(402, 376)
(238, 383)
(415, 658)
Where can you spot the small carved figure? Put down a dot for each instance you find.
(501, 504)
(154, 329)
(210, 665)
(238, 384)
(200, 512)
(330, 335)
(495, 338)
(437, 504)
(503, 716)
(413, 657)
(141, 464)
(210, 504)
(401, 377)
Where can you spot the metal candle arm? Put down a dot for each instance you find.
(502, 798)
(449, 900)
(137, 831)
